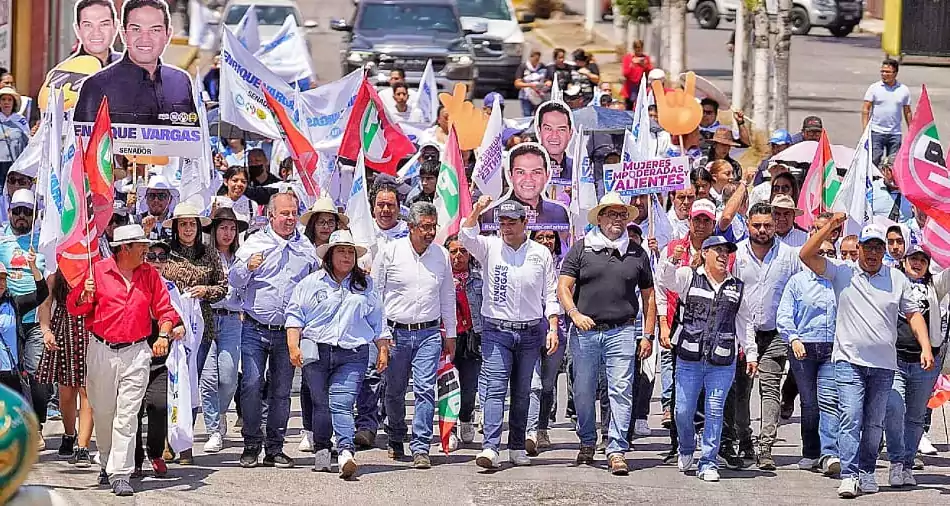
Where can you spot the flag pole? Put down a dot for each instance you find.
(35, 215)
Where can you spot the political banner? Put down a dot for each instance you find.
(647, 176)
(487, 173)
(182, 364)
(920, 168)
(286, 54)
(325, 110)
(450, 399)
(555, 127)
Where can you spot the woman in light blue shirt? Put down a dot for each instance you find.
(333, 316)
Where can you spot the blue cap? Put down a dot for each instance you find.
(780, 137)
(511, 209)
(718, 240)
(489, 100)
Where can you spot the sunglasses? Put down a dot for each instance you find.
(21, 211)
(156, 257)
(616, 215)
(157, 196)
(19, 181)
(830, 253)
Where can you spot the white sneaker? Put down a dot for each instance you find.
(467, 432)
(848, 488)
(531, 443)
(684, 462)
(453, 443)
(867, 484)
(895, 476)
(321, 461)
(831, 466)
(214, 443)
(346, 463)
(925, 446)
(519, 458)
(807, 464)
(709, 475)
(642, 428)
(909, 480)
(306, 441)
(487, 459)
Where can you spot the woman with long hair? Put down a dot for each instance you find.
(232, 192)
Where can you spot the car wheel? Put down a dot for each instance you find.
(841, 30)
(798, 19)
(707, 15)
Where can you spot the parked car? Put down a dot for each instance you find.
(838, 16)
(499, 50)
(387, 34)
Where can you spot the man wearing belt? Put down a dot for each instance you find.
(598, 288)
(119, 300)
(414, 279)
(764, 265)
(267, 268)
(519, 292)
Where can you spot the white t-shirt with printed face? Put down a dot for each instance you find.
(887, 106)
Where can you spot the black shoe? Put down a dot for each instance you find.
(731, 458)
(747, 454)
(766, 463)
(396, 451)
(585, 456)
(278, 460)
(122, 488)
(787, 410)
(81, 458)
(137, 473)
(103, 478)
(365, 439)
(67, 446)
(249, 456)
(670, 458)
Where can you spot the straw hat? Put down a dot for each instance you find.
(14, 94)
(129, 234)
(611, 199)
(324, 205)
(186, 210)
(786, 202)
(340, 238)
(724, 136)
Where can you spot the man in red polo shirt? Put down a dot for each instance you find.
(119, 301)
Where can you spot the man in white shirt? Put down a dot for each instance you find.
(400, 110)
(519, 293)
(884, 104)
(396, 75)
(784, 213)
(679, 211)
(414, 280)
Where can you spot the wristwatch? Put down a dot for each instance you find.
(163, 335)
(649, 337)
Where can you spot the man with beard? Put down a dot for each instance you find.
(159, 195)
(14, 182)
(554, 133)
(529, 175)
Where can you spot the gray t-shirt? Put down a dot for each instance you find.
(887, 106)
(868, 306)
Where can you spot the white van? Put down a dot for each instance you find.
(499, 50)
(838, 16)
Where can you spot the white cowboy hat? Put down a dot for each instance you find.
(129, 234)
(324, 205)
(611, 199)
(187, 210)
(340, 238)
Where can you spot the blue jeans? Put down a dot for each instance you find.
(417, 353)
(527, 108)
(815, 377)
(370, 394)
(692, 378)
(616, 349)
(543, 382)
(666, 377)
(219, 379)
(906, 410)
(884, 144)
(262, 348)
(862, 391)
(334, 381)
(508, 361)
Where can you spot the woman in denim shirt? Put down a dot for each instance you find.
(468, 348)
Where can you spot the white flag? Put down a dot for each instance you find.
(182, 364)
(286, 54)
(242, 76)
(200, 31)
(854, 196)
(487, 173)
(358, 210)
(410, 169)
(49, 185)
(556, 94)
(641, 124)
(426, 108)
(199, 179)
(583, 188)
(247, 30)
(325, 110)
(660, 221)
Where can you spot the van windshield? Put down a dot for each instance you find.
(488, 9)
(408, 18)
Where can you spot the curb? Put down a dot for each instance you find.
(548, 41)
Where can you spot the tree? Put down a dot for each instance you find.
(783, 46)
(760, 87)
(636, 14)
(677, 38)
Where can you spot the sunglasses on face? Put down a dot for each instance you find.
(157, 196)
(21, 211)
(19, 181)
(156, 257)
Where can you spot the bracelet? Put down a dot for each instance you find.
(573, 309)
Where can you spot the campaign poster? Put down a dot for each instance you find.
(647, 176)
(529, 175)
(150, 102)
(554, 125)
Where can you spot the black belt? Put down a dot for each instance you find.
(265, 326)
(117, 346)
(766, 333)
(224, 312)
(600, 327)
(513, 325)
(413, 326)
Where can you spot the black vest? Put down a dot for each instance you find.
(705, 322)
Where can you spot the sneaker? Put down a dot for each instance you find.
(214, 443)
(396, 451)
(831, 466)
(421, 461)
(585, 456)
(807, 464)
(531, 444)
(95, 459)
(186, 458)
(321, 461)
(103, 479)
(467, 432)
(925, 446)
(918, 463)
(306, 441)
(684, 462)
(710, 475)
(867, 484)
(347, 464)
(122, 488)
(487, 459)
(848, 488)
(81, 458)
(670, 457)
(249, 456)
(641, 428)
(909, 480)
(895, 476)
(729, 458)
(279, 459)
(365, 439)
(453, 442)
(667, 421)
(67, 446)
(518, 458)
(544, 440)
(41, 442)
(618, 465)
(766, 463)
(159, 467)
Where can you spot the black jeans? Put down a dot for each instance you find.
(468, 361)
(737, 422)
(155, 407)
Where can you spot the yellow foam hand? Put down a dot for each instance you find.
(678, 111)
(470, 122)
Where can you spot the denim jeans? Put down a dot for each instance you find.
(666, 377)
(617, 350)
(527, 108)
(815, 376)
(334, 381)
(884, 144)
(414, 353)
(862, 391)
(773, 352)
(508, 361)
(31, 350)
(368, 403)
(543, 382)
(262, 348)
(219, 379)
(907, 409)
(693, 378)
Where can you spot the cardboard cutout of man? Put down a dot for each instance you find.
(555, 127)
(529, 175)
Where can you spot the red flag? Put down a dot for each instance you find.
(97, 161)
(449, 400)
(302, 152)
(453, 198)
(371, 129)
(77, 247)
(817, 188)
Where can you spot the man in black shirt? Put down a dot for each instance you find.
(598, 288)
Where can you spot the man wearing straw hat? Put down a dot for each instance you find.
(119, 300)
(597, 288)
(784, 212)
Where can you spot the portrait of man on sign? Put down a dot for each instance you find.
(528, 176)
